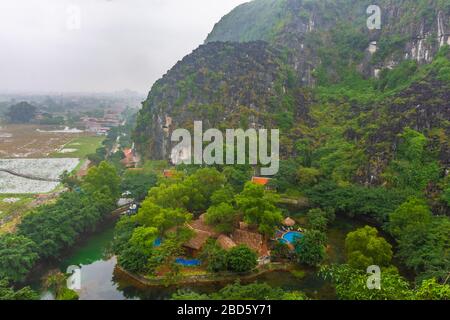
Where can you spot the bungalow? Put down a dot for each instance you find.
(195, 244)
(130, 160)
(202, 232)
(225, 242)
(169, 173)
(253, 240)
(241, 236)
(289, 222)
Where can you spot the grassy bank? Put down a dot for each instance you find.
(82, 147)
(12, 211)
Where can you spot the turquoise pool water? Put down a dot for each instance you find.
(188, 262)
(157, 242)
(291, 237)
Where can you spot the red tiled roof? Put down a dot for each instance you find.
(260, 180)
(129, 157)
(128, 152)
(168, 173)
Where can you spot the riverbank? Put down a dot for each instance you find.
(207, 278)
(96, 243)
(102, 278)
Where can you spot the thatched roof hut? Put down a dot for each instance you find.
(200, 224)
(289, 222)
(198, 241)
(243, 225)
(202, 233)
(252, 240)
(225, 242)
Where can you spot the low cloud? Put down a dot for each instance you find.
(114, 45)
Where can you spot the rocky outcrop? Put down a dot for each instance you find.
(410, 29)
(259, 62)
(223, 84)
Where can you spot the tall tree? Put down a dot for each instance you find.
(259, 208)
(138, 184)
(23, 112)
(351, 284)
(425, 249)
(17, 256)
(241, 259)
(101, 177)
(222, 217)
(412, 214)
(9, 293)
(310, 249)
(152, 215)
(365, 248)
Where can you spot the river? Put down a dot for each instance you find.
(101, 281)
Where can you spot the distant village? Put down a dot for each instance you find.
(93, 113)
(102, 125)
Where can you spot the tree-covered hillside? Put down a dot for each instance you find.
(364, 114)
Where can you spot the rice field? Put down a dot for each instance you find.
(34, 169)
(42, 152)
(33, 141)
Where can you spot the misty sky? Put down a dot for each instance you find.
(115, 45)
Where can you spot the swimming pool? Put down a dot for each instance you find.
(188, 262)
(291, 237)
(157, 242)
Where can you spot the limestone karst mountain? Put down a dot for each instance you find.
(316, 71)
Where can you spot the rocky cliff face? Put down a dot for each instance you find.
(410, 29)
(261, 63)
(424, 106)
(225, 85)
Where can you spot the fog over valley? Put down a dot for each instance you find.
(114, 45)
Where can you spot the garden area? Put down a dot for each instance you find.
(208, 228)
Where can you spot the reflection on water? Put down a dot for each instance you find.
(313, 286)
(100, 281)
(97, 281)
(97, 265)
